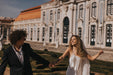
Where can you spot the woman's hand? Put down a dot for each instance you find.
(100, 52)
(52, 64)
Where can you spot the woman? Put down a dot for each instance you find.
(78, 57)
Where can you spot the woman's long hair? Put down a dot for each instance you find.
(79, 45)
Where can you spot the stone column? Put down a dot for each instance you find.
(71, 13)
(87, 7)
(74, 18)
(100, 36)
(54, 26)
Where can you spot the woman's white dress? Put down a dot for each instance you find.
(78, 66)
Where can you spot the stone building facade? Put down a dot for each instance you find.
(6, 26)
(57, 20)
(29, 20)
(90, 19)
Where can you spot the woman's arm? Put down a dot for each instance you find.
(60, 58)
(95, 56)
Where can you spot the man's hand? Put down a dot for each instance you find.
(52, 64)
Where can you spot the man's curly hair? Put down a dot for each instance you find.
(16, 36)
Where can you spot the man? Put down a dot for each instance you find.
(17, 56)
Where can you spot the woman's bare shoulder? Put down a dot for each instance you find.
(68, 49)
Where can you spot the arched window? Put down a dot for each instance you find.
(58, 17)
(65, 29)
(110, 7)
(81, 11)
(80, 32)
(51, 15)
(92, 39)
(108, 35)
(94, 9)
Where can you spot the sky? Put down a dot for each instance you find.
(12, 8)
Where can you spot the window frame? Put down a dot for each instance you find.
(94, 9)
(81, 11)
(92, 35)
(109, 7)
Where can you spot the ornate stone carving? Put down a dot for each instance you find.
(80, 20)
(93, 19)
(51, 23)
(65, 8)
(108, 18)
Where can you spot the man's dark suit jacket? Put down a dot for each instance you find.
(16, 68)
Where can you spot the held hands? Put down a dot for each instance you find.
(52, 64)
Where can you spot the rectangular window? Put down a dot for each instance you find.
(43, 16)
(43, 35)
(57, 31)
(81, 11)
(38, 31)
(80, 32)
(31, 33)
(58, 17)
(92, 40)
(108, 35)
(94, 9)
(51, 15)
(110, 7)
(50, 34)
